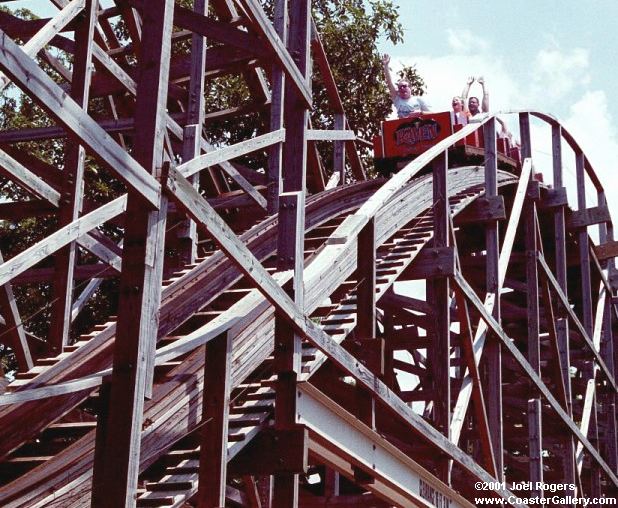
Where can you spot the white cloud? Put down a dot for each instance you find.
(558, 73)
(594, 129)
(464, 41)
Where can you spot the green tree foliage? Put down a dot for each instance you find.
(350, 31)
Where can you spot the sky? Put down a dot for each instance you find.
(552, 56)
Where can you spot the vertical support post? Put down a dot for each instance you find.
(339, 150)
(586, 301)
(562, 324)
(140, 280)
(608, 400)
(584, 253)
(98, 490)
(187, 230)
(288, 346)
(215, 415)
(535, 442)
(273, 177)
(493, 349)
(366, 292)
(291, 237)
(438, 295)
(370, 346)
(72, 187)
(192, 135)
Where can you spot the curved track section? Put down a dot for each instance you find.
(381, 343)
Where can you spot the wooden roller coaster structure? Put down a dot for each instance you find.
(269, 347)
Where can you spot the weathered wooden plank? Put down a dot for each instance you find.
(339, 149)
(192, 132)
(275, 153)
(463, 398)
(607, 250)
(290, 240)
(588, 217)
(72, 190)
(81, 301)
(219, 31)
(431, 262)
(274, 451)
(484, 209)
(140, 281)
(18, 173)
(338, 134)
(476, 388)
(60, 238)
(553, 198)
(231, 152)
(608, 401)
(37, 42)
(290, 246)
(568, 463)
(535, 434)
(14, 326)
(366, 291)
(224, 165)
(584, 425)
(296, 75)
(92, 244)
(493, 353)
(33, 80)
(17, 210)
(215, 415)
(438, 297)
(407, 302)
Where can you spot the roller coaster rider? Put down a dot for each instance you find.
(405, 103)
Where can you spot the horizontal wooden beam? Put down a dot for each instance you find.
(226, 166)
(219, 31)
(588, 217)
(18, 210)
(483, 209)
(552, 198)
(38, 85)
(82, 272)
(274, 451)
(432, 262)
(607, 250)
(330, 135)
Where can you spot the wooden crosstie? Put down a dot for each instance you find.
(295, 335)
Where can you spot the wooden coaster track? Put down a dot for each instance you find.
(273, 358)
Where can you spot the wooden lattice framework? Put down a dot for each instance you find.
(258, 365)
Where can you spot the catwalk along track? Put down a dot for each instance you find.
(285, 337)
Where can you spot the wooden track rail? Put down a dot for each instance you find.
(379, 343)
